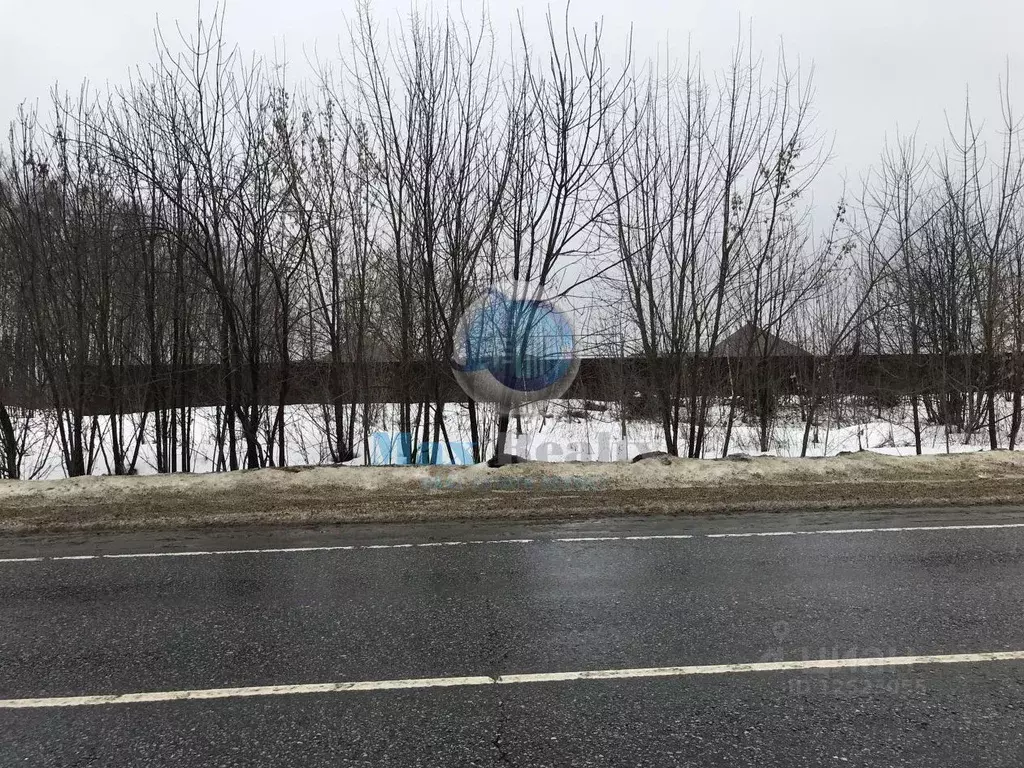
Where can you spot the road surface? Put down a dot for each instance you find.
(867, 633)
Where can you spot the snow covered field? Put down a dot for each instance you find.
(559, 431)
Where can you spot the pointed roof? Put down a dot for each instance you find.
(751, 341)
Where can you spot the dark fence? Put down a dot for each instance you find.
(137, 388)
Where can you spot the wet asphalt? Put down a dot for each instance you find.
(120, 625)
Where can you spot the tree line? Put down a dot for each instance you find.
(212, 212)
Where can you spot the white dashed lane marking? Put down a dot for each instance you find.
(496, 542)
(824, 532)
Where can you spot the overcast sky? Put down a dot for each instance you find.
(878, 64)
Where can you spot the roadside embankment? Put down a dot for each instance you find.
(528, 491)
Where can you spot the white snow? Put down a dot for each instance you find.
(560, 431)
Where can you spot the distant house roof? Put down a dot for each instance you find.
(750, 341)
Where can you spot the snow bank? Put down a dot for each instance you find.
(526, 491)
(662, 472)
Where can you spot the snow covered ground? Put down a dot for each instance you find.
(557, 431)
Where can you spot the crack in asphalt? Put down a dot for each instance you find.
(496, 647)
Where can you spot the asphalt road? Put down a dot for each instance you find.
(78, 619)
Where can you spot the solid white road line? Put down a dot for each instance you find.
(564, 539)
(538, 677)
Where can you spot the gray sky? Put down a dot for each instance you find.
(878, 64)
